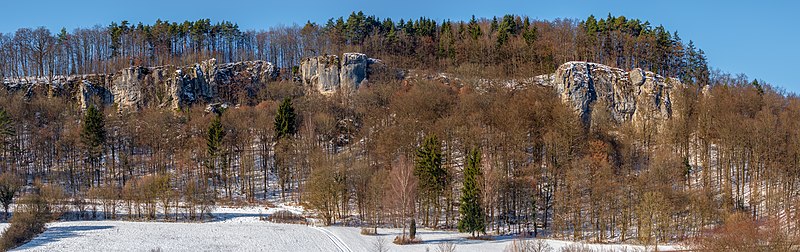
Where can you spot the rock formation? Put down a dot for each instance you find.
(164, 86)
(634, 95)
(329, 74)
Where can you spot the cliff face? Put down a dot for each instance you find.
(164, 86)
(329, 74)
(635, 95)
(169, 86)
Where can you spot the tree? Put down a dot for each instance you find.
(6, 132)
(93, 137)
(285, 120)
(472, 217)
(403, 186)
(432, 176)
(214, 151)
(9, 185)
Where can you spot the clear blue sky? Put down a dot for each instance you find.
(758, 38)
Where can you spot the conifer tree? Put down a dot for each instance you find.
(472, 219)
(214, 143)
(6, 132)
(93, 136)
(285, 120)
(432, 176)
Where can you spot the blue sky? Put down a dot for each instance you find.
(758, 38)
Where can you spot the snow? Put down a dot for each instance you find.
(241, 229)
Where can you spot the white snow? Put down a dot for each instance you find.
(241, 229)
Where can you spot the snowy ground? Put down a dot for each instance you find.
(240, 229)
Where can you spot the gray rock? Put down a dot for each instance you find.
(328, 74)
(92, 94)
(635, 96)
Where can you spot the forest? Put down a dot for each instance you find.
(480, 159)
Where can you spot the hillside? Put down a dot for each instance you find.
(604, 130)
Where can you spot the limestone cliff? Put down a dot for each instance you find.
(634, 95)
(163, 86)
(329, 74)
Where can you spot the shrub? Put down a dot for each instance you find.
(741, 233)
(28, 221)
(446, 247)
(576, 247)
(368, 231)
(284, 216)
(528, 245)
(403, 240)
(380, 245)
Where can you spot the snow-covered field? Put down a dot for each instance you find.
(240, 229)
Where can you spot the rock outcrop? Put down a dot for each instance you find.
(164, 86)
(169, 86)
(329, 74)
(635, 95)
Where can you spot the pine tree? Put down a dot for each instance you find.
(93, 136)
(285, 120)
(214, 144)
(6, 131)
(432, 176)
(472, 219)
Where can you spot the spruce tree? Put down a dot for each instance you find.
(432, 176)
(472, 217)
(285, 120)
(93, 136)
(214, 138)
(6, 132)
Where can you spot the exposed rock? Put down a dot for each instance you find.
(92, 94)
(165, 86)
(329, 74)
(168, 86)
(636, 95)
(353, 71)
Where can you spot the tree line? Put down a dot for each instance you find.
(511, 45)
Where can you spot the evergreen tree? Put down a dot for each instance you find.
(93, 136)
(474, 29)
(6, 130)
(432, 176)
(214, 143)
(472, 219)
(285, 120)
(412, 230)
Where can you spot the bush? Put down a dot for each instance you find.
(403, 240)
(576, 247)
(446, 247)
(368, 231)
(284, 216)
(29, 220)
(741, 233)
(528, 245)
(380, 245)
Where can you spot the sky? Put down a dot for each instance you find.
(758, 38)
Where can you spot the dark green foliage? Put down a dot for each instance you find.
(472, 216)
(474, 29)
(432, 176)
(506, 29)
(285, 120)
(412, 230)
(93, 133)
(9, 185)
(214, 137)
(6, 129)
